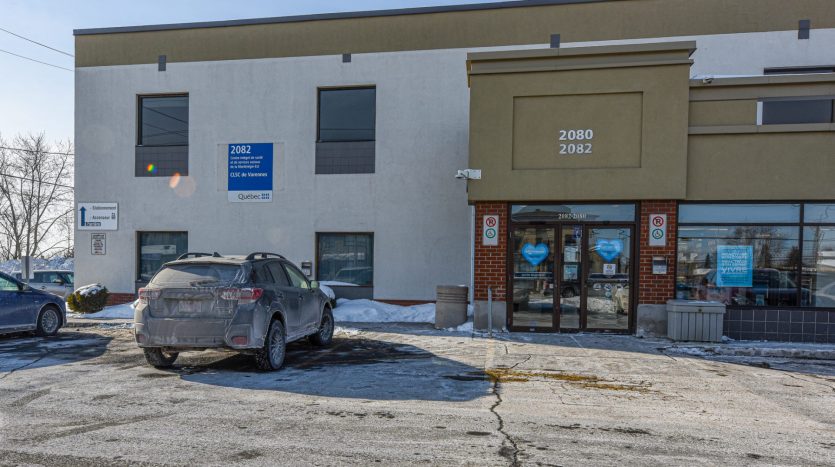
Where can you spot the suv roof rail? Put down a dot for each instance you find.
(263, 255)
(195, 254)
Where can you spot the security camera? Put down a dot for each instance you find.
(468, 174)
(707, 80)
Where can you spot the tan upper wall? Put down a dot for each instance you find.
(730, 157)
(525, 24)
(633, 99)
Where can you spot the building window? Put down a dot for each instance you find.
(347, 114)
(346, 258)
(162, 136)
(156, 249)
(163, 120)
(757, 254)
(789, 111)
(819, 255)
(346, 134)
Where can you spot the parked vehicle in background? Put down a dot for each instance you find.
(356, 276)
(60, 283)
(621, 298)
(23, 308)
(254, 304)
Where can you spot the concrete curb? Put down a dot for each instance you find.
(764, 352)
(91, 323)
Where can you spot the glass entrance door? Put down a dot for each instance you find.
(609, 278)
(532, 305)
(570, 269)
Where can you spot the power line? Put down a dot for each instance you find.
(36, 42)
(33, 60)
(41, 182)
(39, 152)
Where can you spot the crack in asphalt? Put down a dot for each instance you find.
(513, 457)
(26, 365)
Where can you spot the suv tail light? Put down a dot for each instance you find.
(148, 294)
(242, 296)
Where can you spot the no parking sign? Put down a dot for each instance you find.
(657, 230)
(490, 231)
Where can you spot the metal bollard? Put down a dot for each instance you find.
(490, 312)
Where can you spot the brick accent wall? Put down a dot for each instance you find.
(657, 289)
(120, 298)
(490, 262)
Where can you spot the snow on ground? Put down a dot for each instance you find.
(370, 311)
(124, 311)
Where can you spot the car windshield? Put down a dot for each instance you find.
(198, 275)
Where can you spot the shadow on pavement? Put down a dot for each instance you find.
(358, 367)
(21, 352)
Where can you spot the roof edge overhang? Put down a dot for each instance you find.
(333, 16)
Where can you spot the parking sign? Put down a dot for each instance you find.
(490, 231)
(657, 230)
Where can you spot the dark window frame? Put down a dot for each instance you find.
(138, 249)
(799, 70)
(316, 265)
(801, 225)
(139, 98)
(319, 91)
(764, 101)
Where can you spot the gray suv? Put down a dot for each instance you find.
(254, 304)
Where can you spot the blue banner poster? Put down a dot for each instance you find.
(734, 266)
(250, 173)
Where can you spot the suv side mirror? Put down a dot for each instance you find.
(314, 284)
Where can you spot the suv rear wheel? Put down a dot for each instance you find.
(159, 359)
(324, 336)
(271, 356)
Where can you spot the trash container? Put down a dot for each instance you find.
(698, 321)
(451, 306)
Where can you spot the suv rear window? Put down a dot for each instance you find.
(193, 275)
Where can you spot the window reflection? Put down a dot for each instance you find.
(819, 266)
(771, 269)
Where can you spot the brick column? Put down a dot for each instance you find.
(657, 289)
(490, 261)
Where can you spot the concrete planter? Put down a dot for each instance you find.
(695, 320)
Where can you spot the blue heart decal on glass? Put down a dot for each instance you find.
(535, 254)
(609, 249)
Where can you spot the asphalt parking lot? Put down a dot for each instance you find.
(399, 394)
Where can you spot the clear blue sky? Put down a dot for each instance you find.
(37, 98)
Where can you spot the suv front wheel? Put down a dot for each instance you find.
(271, 356)
(324, 336)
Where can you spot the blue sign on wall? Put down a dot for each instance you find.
(734, 266)
(250, 172)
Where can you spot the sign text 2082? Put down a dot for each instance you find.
(576, 141)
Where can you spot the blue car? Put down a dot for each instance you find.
(23, 308)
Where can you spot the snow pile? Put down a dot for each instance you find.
(91, 289)
(370, 311)
(327, 291)
(124, 311)
(466, 327)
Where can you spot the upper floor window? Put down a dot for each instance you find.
(347, 114)
(794, 110)
(163, 120)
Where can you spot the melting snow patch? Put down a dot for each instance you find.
(111, 312)
(369, 311)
